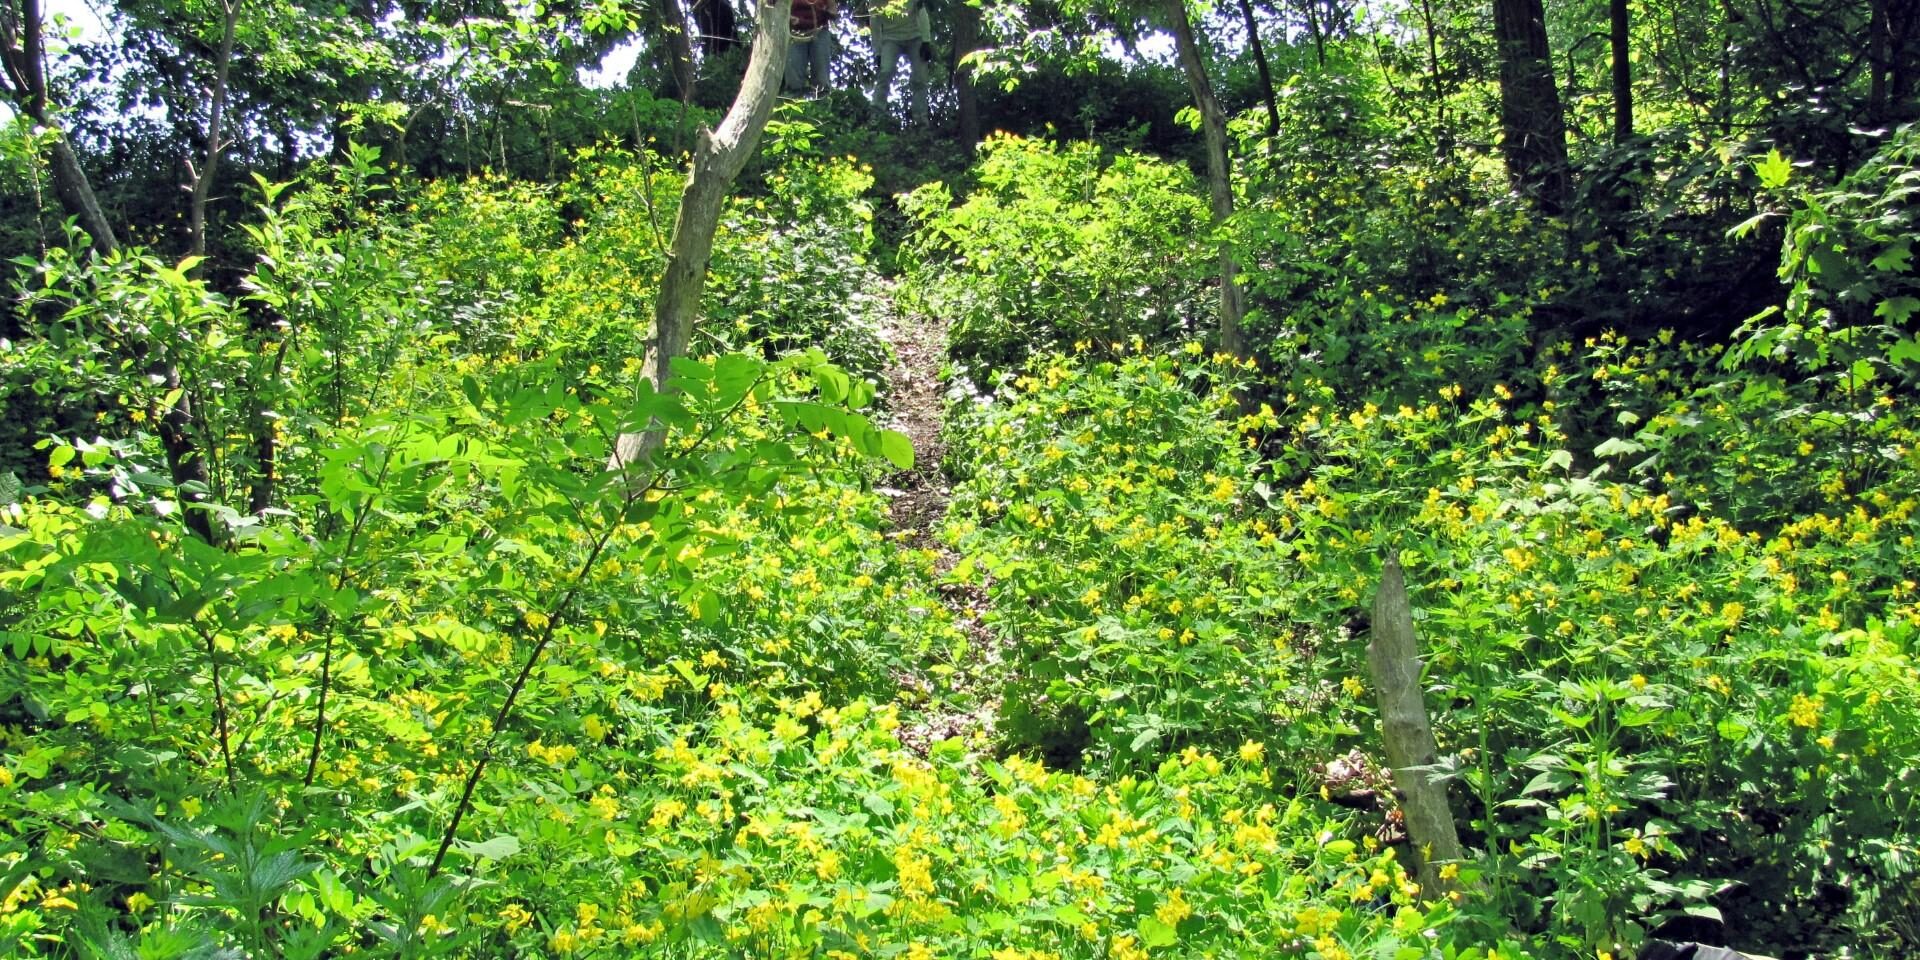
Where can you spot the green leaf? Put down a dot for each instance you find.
(1897, 309)
(863, 393)
(1774, 171)
(696, 681)
(1155, 934)
(496, 848)
(1895, 259)
(897, 448)
(1551, 781)
(1617, 446)
(1744, 227)
(471, 388)
(834, 385)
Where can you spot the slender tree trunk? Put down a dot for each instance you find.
(1724, 108)
(966, 39)
(1903, 18)
(216, 133)
(22, 54)
(1618, 36)
(718, 157)
(1213, 124)
(673, 26)
(1314, 30)
(1394, 658)
(1879, 59)
(1533, 127)
(1260, 64)
(1443, 136)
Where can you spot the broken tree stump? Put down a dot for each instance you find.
(1394, 658)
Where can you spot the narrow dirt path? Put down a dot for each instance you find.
(916, 408)
(963, 703)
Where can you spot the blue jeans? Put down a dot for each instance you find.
(890, 53)
(814, 56)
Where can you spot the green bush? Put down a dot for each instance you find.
(1372, 266)
(1058, 244)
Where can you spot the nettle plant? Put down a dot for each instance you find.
(333, 689)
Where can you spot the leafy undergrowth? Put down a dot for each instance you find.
(696, 766)
(465, 691)
(1648, 712)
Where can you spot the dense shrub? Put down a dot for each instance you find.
(1058, 244)
(1376, 267)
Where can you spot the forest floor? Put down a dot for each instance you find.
(963, 703)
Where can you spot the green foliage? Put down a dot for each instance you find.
(1369, 264)
(1625, 676)
(1848, 265)
(1650, 710)
(1136, 593)
(1058, 244)
(794, 267)
(446, 548)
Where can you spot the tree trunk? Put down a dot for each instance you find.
(966, 39)
(673, 26)
(1618, 36)
(1260, 64)
(22, 54)
(1903, 61)
(1394, 658)
(1314, 30)
(1213, 124)
(1443, 135)
(718, 157)
(216, 115)
(1533, 128)
(719, 29)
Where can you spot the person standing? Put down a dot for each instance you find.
(810, 51)
(900, 28)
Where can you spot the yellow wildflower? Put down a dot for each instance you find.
(1175, 909)
(514, 916)
(1805, 710)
